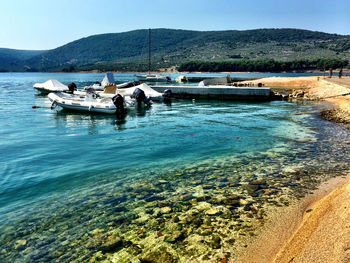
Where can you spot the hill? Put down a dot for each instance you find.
(12, 59)
(128, 50)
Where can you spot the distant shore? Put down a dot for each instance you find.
(203, 72)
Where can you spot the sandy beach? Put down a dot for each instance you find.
(318, 229)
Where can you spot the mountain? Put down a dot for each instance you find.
(170, 47)
(12, 59)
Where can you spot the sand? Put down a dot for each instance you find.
(324, 233)
(318, 229)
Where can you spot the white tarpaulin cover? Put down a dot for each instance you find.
(51, 85)
(149, 92)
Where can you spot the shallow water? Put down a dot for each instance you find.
(172, 183)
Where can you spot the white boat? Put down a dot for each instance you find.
(52, 85)
(88, 103)
(153, 78)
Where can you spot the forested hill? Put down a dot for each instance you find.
(128, 50)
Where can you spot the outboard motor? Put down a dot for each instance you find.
(140, 97)
(167, 95)
(72, 87)
(118, 101)
(168, 79)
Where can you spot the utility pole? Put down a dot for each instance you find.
(149, 51)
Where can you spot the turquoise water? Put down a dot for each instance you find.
(63, 175)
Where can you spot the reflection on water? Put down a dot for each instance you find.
(65, 118)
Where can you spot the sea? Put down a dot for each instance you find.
(175, 182)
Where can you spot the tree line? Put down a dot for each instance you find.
(263, 65)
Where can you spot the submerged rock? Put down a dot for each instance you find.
(202, 198)
(257, 182)
(215, 242)
(270, 191)
(213, 211)
(203, 206)
(185, 197)
(159, 255)
(105, 243)
(174, 237)
(20, 244)
(165, 210)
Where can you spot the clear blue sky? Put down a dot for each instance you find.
(46, 24)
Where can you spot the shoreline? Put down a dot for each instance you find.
(334, 91)
(317, 229)
(289, 229)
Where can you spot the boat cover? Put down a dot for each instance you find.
(146, 89)
(109, 78)
(51, 85)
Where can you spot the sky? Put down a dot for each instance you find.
(47, 24)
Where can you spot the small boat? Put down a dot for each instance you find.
(90, 102)
(52, 85)
(153, 78)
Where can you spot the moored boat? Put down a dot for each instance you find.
(153, 78)
(90, 102)
(52, 85)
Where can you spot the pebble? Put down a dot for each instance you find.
(165, 210)
(173, 237)
(244, 202)
(216, 242)
(257, 182)
(270, 191)
(159, 254)
(203, 206)
(185, 197)
(213, 211)
(20, 244)
(162, 181)
(206, 232)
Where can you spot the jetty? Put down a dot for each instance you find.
(220, 92)
(201, 78)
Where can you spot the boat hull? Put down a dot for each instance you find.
(151, 78)
(45, 91)
(82, 106)
(86, 109)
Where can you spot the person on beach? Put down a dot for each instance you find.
(330, 73)
(340, 73)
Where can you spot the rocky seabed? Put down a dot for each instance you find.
(206, 212)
